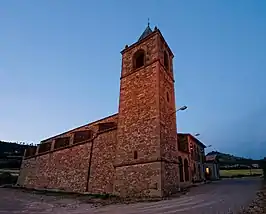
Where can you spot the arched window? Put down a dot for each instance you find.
(166, 60)
(186, 169)
(181, 174)
(139, 59)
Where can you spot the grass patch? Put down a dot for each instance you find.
(240, 172)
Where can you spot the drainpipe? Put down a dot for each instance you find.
(89, 169)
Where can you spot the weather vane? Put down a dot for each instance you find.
(148, 21)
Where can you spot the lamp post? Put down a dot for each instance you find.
(182, 108)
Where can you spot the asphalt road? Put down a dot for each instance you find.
(227, 196)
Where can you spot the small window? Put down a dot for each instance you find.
(31, 151)
(139, 59)
(135, 154)
(167, 97)
(166, 60)
(45, 147)
(61, 142)
(106, 126)
(80, 136)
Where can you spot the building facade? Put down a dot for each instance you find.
(212, 167)
(132, 153)
(192, 157)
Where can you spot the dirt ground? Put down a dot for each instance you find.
(226, 196)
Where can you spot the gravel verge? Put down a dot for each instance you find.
(258, 205)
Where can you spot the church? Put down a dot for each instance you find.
(134, 153)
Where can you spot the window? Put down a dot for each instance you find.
(61, 142)
(182, 143)
(135, 154)
(139, 59)
(166, 60)
(106, 126)
(45, 147)
(167, 97)
(80, 136)
(30, 151)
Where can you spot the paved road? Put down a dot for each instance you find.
(226, 196)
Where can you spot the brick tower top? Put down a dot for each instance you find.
(146, 43)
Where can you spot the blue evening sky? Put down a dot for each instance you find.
(60, 65)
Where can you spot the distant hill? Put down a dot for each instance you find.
(227, 159)
(11, 154)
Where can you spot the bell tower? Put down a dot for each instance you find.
(146, 150)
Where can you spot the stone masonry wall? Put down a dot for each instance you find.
(169, 146)
(141, 180)
(65, 169)
(170, 178)
(138, 112)
(147, 122)
(137, 118)
(138, 134)
(102, 169)
(68, 168)
(199, 166)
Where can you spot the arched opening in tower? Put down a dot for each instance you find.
(139, 59)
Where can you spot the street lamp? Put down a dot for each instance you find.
(180, 109)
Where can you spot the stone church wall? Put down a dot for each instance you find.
(68, 168)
